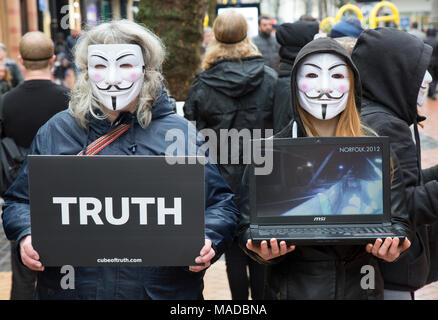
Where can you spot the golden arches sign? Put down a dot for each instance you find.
(349, 7)
(374, 19)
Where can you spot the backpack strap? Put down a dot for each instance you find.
(99, 144)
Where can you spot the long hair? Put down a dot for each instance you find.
(83, 103)
(8, 77)
(349, 124)
(230, 40)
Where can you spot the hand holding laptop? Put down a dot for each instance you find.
(272, 251)
(388, 250)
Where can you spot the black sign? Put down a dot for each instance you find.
(116, 210)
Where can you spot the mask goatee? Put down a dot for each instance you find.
(324, 111)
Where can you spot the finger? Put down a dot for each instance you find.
(31, 263)
(274, 247)
(394, 250)
(197, 268)
(206, 248)
(205, 258)
(406, 244)
(264, 250)
(283, 248)
(250, 246)
(369, 248)
(376, 247)
(384, 247)
(29, 250)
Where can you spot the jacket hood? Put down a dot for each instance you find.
(234, 78)
(392, 64)
(293, 36)
(321, 45)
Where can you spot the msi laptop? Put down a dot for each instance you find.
(323, 191)
(116, 210)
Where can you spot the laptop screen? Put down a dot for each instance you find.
(331, 177)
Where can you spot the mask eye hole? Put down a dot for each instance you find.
(99, 66)
(126, 66)
(338, 76)
(311, 75)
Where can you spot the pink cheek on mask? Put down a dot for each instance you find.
(304, 87)
(342, 88)
(133, 76)
(97, 77)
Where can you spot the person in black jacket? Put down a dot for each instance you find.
(432, 40)
(292, 37)
(323, 66)
(234, 92)
(391, 83)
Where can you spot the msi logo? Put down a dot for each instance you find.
(319, 219)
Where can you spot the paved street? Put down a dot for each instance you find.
(216, 284)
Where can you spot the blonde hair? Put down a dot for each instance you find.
(230, 40)
(36, 50)
(349, 124)
(83, 103)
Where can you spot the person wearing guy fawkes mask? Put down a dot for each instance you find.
(119, 86)
(393, 69)
(326, 91)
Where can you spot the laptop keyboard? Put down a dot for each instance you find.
(341, 231)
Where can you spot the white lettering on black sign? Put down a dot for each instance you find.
(90, 209)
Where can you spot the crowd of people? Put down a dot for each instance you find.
(267, 82)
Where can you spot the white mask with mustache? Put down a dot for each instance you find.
(116, 72)
(323, 85)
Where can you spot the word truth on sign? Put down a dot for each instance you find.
(91, 208)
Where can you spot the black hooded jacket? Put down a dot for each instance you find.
(432, 40)
(322, 272)
(233, 94)
(392, 65)
(292, 37)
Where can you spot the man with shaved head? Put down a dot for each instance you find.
(25, 109)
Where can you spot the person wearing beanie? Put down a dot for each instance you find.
(291, 37)
(347, 27)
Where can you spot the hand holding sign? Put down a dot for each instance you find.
(29, 256)
(207, 253)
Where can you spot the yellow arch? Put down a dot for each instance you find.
(349, 7)
(374, 19)
(328, 20)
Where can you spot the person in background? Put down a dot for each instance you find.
(291, 37)
(206, 38)
(306, 17)
(25, 109)
(415, 32)
(393, 70)
(14, 71)
(432, 40)
(5, 80)
(346, 27)
(235, 91)
(266, 42)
